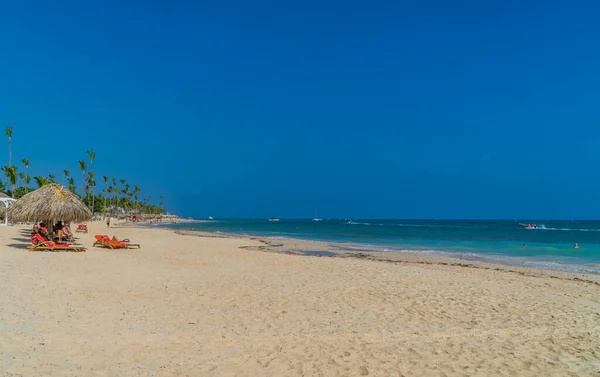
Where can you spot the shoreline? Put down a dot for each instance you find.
(293, 246)
(538, 257)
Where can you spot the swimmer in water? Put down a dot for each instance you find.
(576, 246)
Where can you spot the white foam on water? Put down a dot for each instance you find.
(498, 259)
(543, 227)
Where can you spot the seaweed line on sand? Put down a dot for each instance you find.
(271, 246)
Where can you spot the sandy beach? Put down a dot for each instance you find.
(185, 305)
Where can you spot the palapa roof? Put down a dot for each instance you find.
(50, 202)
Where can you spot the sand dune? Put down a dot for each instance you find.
(193, 306)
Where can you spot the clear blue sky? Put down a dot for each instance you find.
(432, 109)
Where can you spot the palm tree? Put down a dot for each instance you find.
(136, 192)
(129, 195)
(66, 175)
(125, 193)
(9, 135)
(116, 195)
(92, 156)
(92, 183)
(11, 174)
(72, 186)
(2, 186)
(25, 162)
(41, 181)
(114, 188)
(51, 178)
(109, 190)
(84, 183)
(22, 176)
(162, 203)
(105, 178)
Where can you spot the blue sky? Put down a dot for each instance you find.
(466, 109)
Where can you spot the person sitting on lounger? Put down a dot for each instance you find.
(59, 234)
(63, 234)
(43, 230)
(67, 231)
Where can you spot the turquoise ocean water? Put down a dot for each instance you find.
(551, 246)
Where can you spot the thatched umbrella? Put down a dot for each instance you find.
(50, 202)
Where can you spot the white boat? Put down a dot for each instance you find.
(529, 226)
(210, 218)
(316, 218)
(274, 220)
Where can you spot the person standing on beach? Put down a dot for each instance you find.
(108, 222)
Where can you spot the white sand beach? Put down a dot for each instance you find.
(184, 305)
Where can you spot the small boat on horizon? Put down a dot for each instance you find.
(274, 220)
(316, 218)
(529, 226)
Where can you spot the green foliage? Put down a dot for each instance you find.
(115, 204)
(72, 187)
(115, 198)
(92, 155)
(97, 201)
(11, 174)
(19, 192)
(41, 181)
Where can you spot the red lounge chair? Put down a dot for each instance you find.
(38, 243)
(105, 241)
(81, 228)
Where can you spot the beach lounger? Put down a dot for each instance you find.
(105, 241)
(126, 240)
(81, 228)
(38, 243)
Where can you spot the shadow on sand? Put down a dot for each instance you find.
(22, 246)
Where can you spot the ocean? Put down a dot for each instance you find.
(550, 246)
